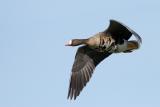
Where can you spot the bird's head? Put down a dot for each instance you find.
(76, 42)
(68, 43)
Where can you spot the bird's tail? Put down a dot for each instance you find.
(131, 45)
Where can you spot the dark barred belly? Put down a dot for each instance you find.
(103, 48)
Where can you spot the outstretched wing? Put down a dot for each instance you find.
(86, 60)
(118, 31)
(138, 38)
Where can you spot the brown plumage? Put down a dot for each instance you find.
(97, 48)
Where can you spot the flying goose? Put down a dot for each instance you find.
(94, 49)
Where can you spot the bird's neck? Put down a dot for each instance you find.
(76, 42)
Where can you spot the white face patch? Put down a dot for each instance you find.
(70, 42)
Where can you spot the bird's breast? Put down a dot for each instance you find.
(102, 43)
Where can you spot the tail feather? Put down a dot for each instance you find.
(132, 45)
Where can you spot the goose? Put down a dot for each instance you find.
(115, 39)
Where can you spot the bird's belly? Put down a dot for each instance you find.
(103, 48)
(120, 48)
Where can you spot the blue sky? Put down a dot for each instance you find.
(35, 65)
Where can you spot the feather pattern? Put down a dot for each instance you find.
(85, 62)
